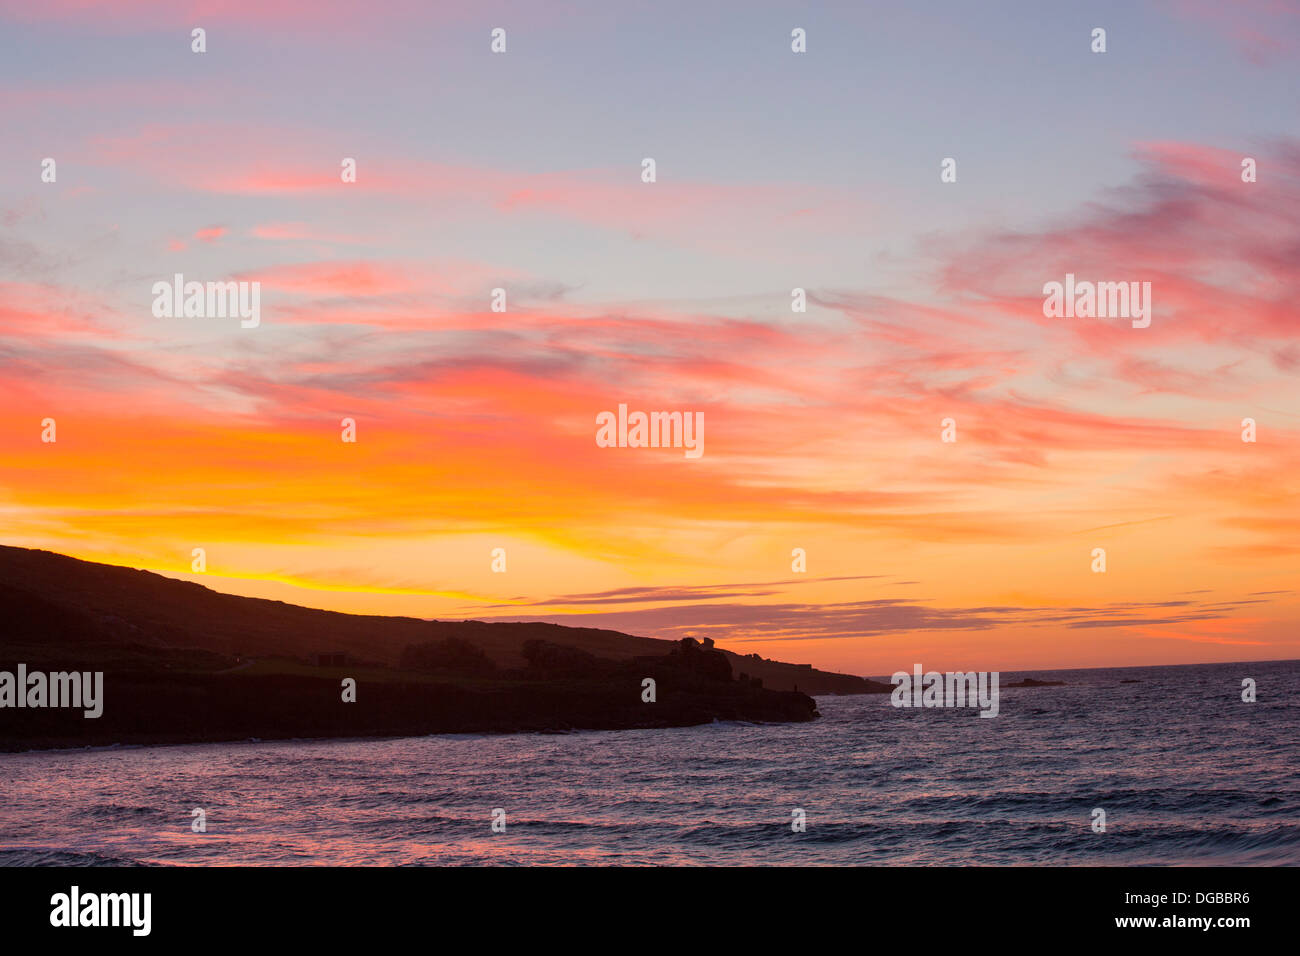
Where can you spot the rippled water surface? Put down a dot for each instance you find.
(1185, 771)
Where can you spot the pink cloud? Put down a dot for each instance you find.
(280, 162)
(1219, 252)
(1263, 30)
(303, 232)
(395, 285)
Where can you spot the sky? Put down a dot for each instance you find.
(774, 170)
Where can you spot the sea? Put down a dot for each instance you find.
(1184, 771)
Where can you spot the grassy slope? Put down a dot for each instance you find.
(59, 609)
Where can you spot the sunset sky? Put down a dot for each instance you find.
(775, 170)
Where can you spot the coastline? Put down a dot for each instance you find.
(160, 709)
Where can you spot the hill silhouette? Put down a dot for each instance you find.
(183, 662)
(52, 601)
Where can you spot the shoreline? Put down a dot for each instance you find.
(63, 744)
(161, 709)
(362, 738)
